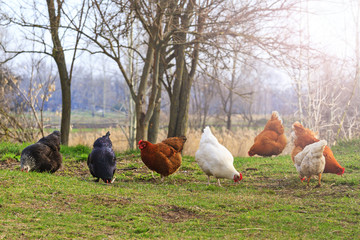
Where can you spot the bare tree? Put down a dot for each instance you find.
(22, 102)
(132, 73)
(38, 34)
(235, 85)
(356, 78)
(216, 25)
(41, 85)
(110, 41)
(173, 38)
(203, 93)
(59, 57)
(326, 85)
(12, 127)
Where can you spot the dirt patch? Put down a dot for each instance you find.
(173, 214)
(69, 168)
(129, 165)
(110, 200)
(74, 169)
(10, 164)
(80, 169)
(293, 187)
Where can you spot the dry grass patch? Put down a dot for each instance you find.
(10, 164)
(110, 200)
(174, 214)
(238, 142)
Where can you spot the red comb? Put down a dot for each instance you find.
(139, 142)
(342, 172)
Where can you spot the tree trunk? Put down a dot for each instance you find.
(104, 94)
(228, 121)
(175, 97)
(132, 124)
(152, 60)
(231, 94)
(154, 123)
(65, 81)
(66, 110)
(179, 108)
(183, 116)
(142, 117)
(141, 129)
(132, 114)
(92, 95)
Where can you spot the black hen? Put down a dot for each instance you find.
(43, 156)
(101, 161)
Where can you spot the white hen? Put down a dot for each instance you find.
(214, 159)
(311, 161)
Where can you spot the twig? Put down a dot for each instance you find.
(128, 169)
(252, 169)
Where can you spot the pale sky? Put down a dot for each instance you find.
(332, 25)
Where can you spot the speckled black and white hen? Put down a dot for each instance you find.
(43, 156)
(102, 161)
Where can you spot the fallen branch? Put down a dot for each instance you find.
(251, 169)
(128, 169)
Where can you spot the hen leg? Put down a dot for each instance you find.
(218, 180)
(152, 174)
(208, 183)
(308, 181)
(162, 178)
(319, 184)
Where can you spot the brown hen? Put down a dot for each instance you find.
(272, 140)
(164, 157)
(302, 137)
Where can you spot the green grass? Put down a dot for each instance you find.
(269, 203)
(15, 148)
(76, 153)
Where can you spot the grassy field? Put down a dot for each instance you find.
(269, 203)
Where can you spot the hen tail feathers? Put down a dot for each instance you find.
(207, 136)
(275, 115)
